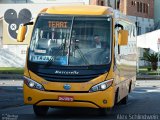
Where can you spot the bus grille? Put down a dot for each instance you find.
(67, 78)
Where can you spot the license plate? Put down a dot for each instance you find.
(66, 98)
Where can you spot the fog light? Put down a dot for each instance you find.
(103, 86)
(104, 101)
(31, 84)
(29, 98)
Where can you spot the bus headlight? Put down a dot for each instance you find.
(101, 86)
(33, 84)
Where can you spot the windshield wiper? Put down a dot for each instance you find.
(54, 56)
(81, 54)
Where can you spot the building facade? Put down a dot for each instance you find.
(156, 14)
(42, 1)
(14, 55)
(139, 8)
(141, 11)
(156, 10)
(111, 3)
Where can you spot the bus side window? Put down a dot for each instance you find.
(116, 42)
(119, 49)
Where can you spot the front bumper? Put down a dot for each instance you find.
(92, 100)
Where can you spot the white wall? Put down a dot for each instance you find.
(14, 55)
(156, 10)
(1, 33)
(44, 1)
(148, 40)
(34, 8)
(144, 23)
(61, 1)
(14, 1)
(1, 28)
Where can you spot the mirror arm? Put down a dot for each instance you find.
(29, 23)
(119, 49)
(119, 25)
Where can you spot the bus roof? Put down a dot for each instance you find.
(79, 10)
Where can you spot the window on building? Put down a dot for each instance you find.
(147, 5)
(140, 7)
(118, 4)
(144, 8)
(101, 2)
(132, 3)
(137, 6)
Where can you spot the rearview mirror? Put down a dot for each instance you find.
(21, 33)
(123, 37)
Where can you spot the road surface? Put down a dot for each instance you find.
(143, 103)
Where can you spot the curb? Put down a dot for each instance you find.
(147, 78)
(11, 76)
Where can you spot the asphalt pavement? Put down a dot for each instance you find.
(143, 103)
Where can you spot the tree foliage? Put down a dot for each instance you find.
(151, 58)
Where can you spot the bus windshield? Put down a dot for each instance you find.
(71, 40)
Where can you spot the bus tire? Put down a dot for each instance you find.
(130, 85)
(105, 111)
(124, 100)
(40, 110)
(116, 97)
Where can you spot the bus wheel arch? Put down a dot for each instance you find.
(130, 86)
(116, 96)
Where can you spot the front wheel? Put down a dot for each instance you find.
(124, 100)
(105, 111)
(40, 110)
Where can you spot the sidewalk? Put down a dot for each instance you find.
(148, 83)
(148, 77)
(11, 82)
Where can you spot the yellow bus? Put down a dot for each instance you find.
(79, 56)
